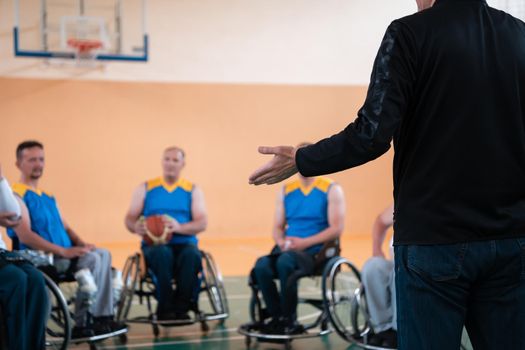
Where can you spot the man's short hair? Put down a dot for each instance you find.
(27, 144)
(175, 148)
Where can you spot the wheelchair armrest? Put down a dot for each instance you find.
(52, 272)
(328, 251)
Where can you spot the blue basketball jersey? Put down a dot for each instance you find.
(306, 209)
(173, 200)
(44, 215)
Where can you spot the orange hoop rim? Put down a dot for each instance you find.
(84, 45)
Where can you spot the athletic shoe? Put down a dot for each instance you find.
(294, 328)
(275, 326)
(106, 324)
(82, 332)
(385, 339)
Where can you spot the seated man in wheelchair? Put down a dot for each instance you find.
(181, 204)
(42, 228)
(23, 297)
(309, 212)
(379, 285)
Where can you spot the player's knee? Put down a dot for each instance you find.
(161, 251)
(36, 281)
(104, 254)
(191, 254)
(91, 261)
(262, 267)
(18, 278)
(285, 262)
(374, 266)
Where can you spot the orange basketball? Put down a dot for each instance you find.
(156, 232)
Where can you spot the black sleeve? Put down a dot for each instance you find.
(369, 136)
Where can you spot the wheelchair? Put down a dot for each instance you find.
(62, 290)
(330, 269)
(60, 321)
(140, 281)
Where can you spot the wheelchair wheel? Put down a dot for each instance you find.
(360, 315)
(130, 277)
(58, 327)
(340, 280)
(214, 285)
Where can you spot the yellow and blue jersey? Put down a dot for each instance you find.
(306, 209)
(44, 215)
(173, 200)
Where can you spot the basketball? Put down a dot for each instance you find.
(156, 232)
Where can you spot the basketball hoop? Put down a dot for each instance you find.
(85, 49)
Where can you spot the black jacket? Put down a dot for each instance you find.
(448, 86)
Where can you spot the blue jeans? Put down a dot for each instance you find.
(179, 262)
(288, 267)
(479, 285)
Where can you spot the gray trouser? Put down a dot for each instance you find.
(379, 283)
(98, 262)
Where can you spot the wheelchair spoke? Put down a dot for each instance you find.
(58, 327)
(340, 282)
(130, 277)
(214, 285)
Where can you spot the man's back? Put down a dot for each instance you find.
(449, 85)
(459, 165)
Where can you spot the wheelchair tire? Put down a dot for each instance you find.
(254, 310)
(130, 277)
(59, 324)
(359, 314)
(340, 279)
(214, 285)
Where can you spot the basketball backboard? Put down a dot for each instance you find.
(115, 29)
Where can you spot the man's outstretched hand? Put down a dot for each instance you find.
(281, 167)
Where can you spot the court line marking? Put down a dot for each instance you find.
(173, 342)
(228, 330)
(192, 341)
(242, 296)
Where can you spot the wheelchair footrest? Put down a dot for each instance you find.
(214, 317)
(174, 323)
(253, 330)
(99, 337)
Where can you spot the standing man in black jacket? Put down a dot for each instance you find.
(448, 86)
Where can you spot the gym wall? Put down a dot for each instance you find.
(224, 77)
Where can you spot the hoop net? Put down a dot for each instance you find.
(84, 48)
